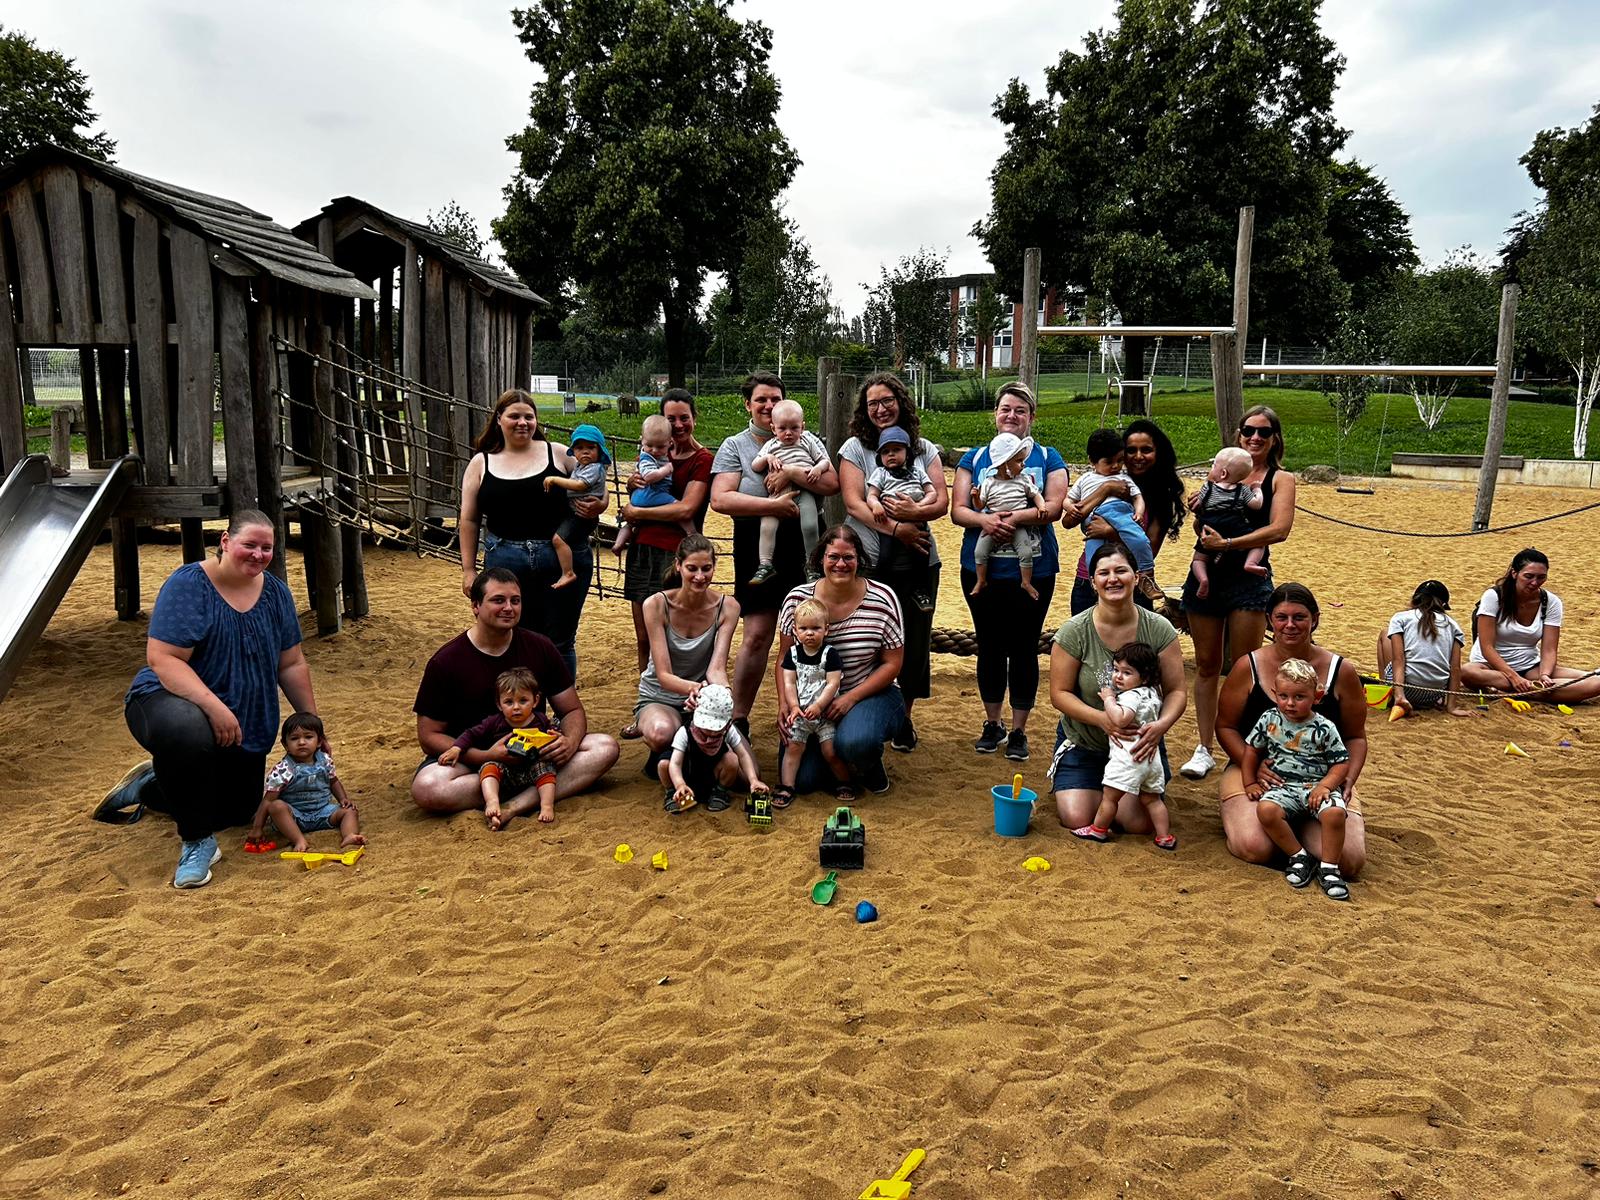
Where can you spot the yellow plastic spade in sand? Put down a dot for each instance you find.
(897, 1186)
(313, 859)
(1518, 705)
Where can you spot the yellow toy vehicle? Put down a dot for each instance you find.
(527, 743)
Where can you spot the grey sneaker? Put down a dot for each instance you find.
(991, 739)
(195, 863)
(1017, 746)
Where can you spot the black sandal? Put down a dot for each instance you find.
(1332, 883)
(782, 797)
(1301, 870)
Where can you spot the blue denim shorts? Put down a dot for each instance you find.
(317, 819)
(1075, 768)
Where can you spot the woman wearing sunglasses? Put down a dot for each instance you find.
(1234, 612)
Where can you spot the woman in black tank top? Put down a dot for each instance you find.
(1292, 613)
(504, 499)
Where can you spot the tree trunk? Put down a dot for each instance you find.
(1133, 403)
(674, 316)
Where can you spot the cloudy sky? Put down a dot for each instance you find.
(407, 103)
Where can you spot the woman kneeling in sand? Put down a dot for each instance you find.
(1292, 615)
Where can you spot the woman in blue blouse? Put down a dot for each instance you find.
(224, 637)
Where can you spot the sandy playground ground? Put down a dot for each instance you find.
(468, 1014)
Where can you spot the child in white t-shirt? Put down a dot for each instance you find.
(1132, 694)
(1421, 651)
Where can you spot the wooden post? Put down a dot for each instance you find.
(238, 413)
(1241, 278)
(329, 561)
(266, 427)
(151, 339)
(1495, 440)
(13, 427)
(113, 362)
(411, 370)
(841, 395)
(125, 567)
(192, 532)
(93, 442)
(1028, 364)
(347, 493)
(1227, 381)
(827, 368)
(61, 439)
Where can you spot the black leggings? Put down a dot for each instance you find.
(1008, 623)
(203, 786)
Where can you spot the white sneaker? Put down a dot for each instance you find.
(1200, 764)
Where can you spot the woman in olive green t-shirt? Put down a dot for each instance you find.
(1080, 665)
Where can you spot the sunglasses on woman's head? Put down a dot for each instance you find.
(1263, 431)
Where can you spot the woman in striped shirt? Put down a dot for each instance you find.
(866, 630)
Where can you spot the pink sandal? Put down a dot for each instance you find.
(1092, 833)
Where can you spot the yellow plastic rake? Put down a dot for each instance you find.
(314, 859)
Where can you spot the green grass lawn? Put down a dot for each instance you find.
(1189, 418)
(1532, 430)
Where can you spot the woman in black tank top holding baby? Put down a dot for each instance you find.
(506, 505)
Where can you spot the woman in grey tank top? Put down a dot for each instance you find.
(690, 627)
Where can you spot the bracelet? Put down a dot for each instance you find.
(1227, 544)
(895, 532)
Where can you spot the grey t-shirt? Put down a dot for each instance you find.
(594, 477)
(737, 453)
(867, 460)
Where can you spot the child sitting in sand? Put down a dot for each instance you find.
(895, 476)
(1304, 750)
(1132, 699)
(809, 680)
(709, 755)
(1421, 650)
(789, 449)
(655, 468)
(525, 778)
(1224, 504)
(1090, 495)
(303, 793)
(587, 482)
(1007, 489)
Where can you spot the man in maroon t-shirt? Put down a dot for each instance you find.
(458, 691)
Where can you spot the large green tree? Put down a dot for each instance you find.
(1555, 254)
(907, 313)
(651, 155)
(777, 302)
(1129, 171)
(44, 98)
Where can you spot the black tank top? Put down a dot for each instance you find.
(1262, 517)
(1258, 701)
(521, 510)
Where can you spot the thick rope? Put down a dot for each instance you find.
(1464, 533)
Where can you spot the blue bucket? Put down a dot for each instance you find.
(1011, 816)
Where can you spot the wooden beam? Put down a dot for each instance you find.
(1241, 280)
(113, 361)
(61, 439)
(1382, 370)
(327, 554)
(93, 442)
(1499, 398)
(461, 349)
(13, 435)
(238, 416)
(192, 531)
(835, 424)
(266, 426)
(1137, 331)
(191, 293)
(148, 307)
(523, 371)
(1028, 363)
(481, 385)
(410, 369)
(111, 278)
(1228, 387)
(69, 252)
(436, 375)
(125, 567)
(33, 265)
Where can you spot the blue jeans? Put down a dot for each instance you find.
(1119, 515)
(860, 739)
(552, 613)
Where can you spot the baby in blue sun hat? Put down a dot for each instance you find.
(587, 482)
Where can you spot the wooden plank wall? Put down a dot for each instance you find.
(191, 291)
(150, 344)
(13, 428)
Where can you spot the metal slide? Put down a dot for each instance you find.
(46, 530)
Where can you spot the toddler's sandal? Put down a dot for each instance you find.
(1092, 833)
(1300, 870)
(1332, 883)
(782, 797)
(1168, 842)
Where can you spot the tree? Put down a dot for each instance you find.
(985, 317)
(1555, 253)
(1445, 314)
(1348, 394)
(778, 296)
(1130, 169)
(44, 99)
(652, 155)
(1369, 234)
(458, 226)
(908, 309)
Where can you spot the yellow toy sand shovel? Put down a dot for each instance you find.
(314, 859)
(1520, 706)
(896, 1187)
(1016, 786)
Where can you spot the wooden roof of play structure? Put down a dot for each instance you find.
(352, 217)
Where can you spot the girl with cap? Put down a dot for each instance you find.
(587, 482)
(709, 755)
(1421, 650)
(504, 501)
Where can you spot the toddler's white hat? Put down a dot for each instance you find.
(714, 708)
(1007, 446)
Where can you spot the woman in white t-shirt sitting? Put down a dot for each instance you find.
(1421, 650)
(1518, 628)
